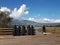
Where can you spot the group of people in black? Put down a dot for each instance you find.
(29, 30)
(23, 30)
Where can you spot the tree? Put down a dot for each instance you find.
(5, 19)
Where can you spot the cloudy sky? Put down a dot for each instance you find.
(46, 11)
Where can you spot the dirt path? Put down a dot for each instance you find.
(30, 40)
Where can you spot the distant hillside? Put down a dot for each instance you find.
(27, 22)
(24, 22)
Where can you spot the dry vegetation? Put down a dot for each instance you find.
(54, 30)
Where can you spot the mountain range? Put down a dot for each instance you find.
(27, 22)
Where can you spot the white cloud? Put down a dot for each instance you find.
(45, 20)
(31, 19)
(57, 21)
(16, 13)
(26, 12)
(3, 9)
(22, 11)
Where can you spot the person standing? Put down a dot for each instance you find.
(44, 29)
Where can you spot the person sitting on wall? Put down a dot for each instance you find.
(32, 30)
(28, 30)
(19, 30)
(15, 30)
(23, 30)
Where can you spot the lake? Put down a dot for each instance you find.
(37, 28)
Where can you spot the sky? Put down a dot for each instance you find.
(42, 11)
